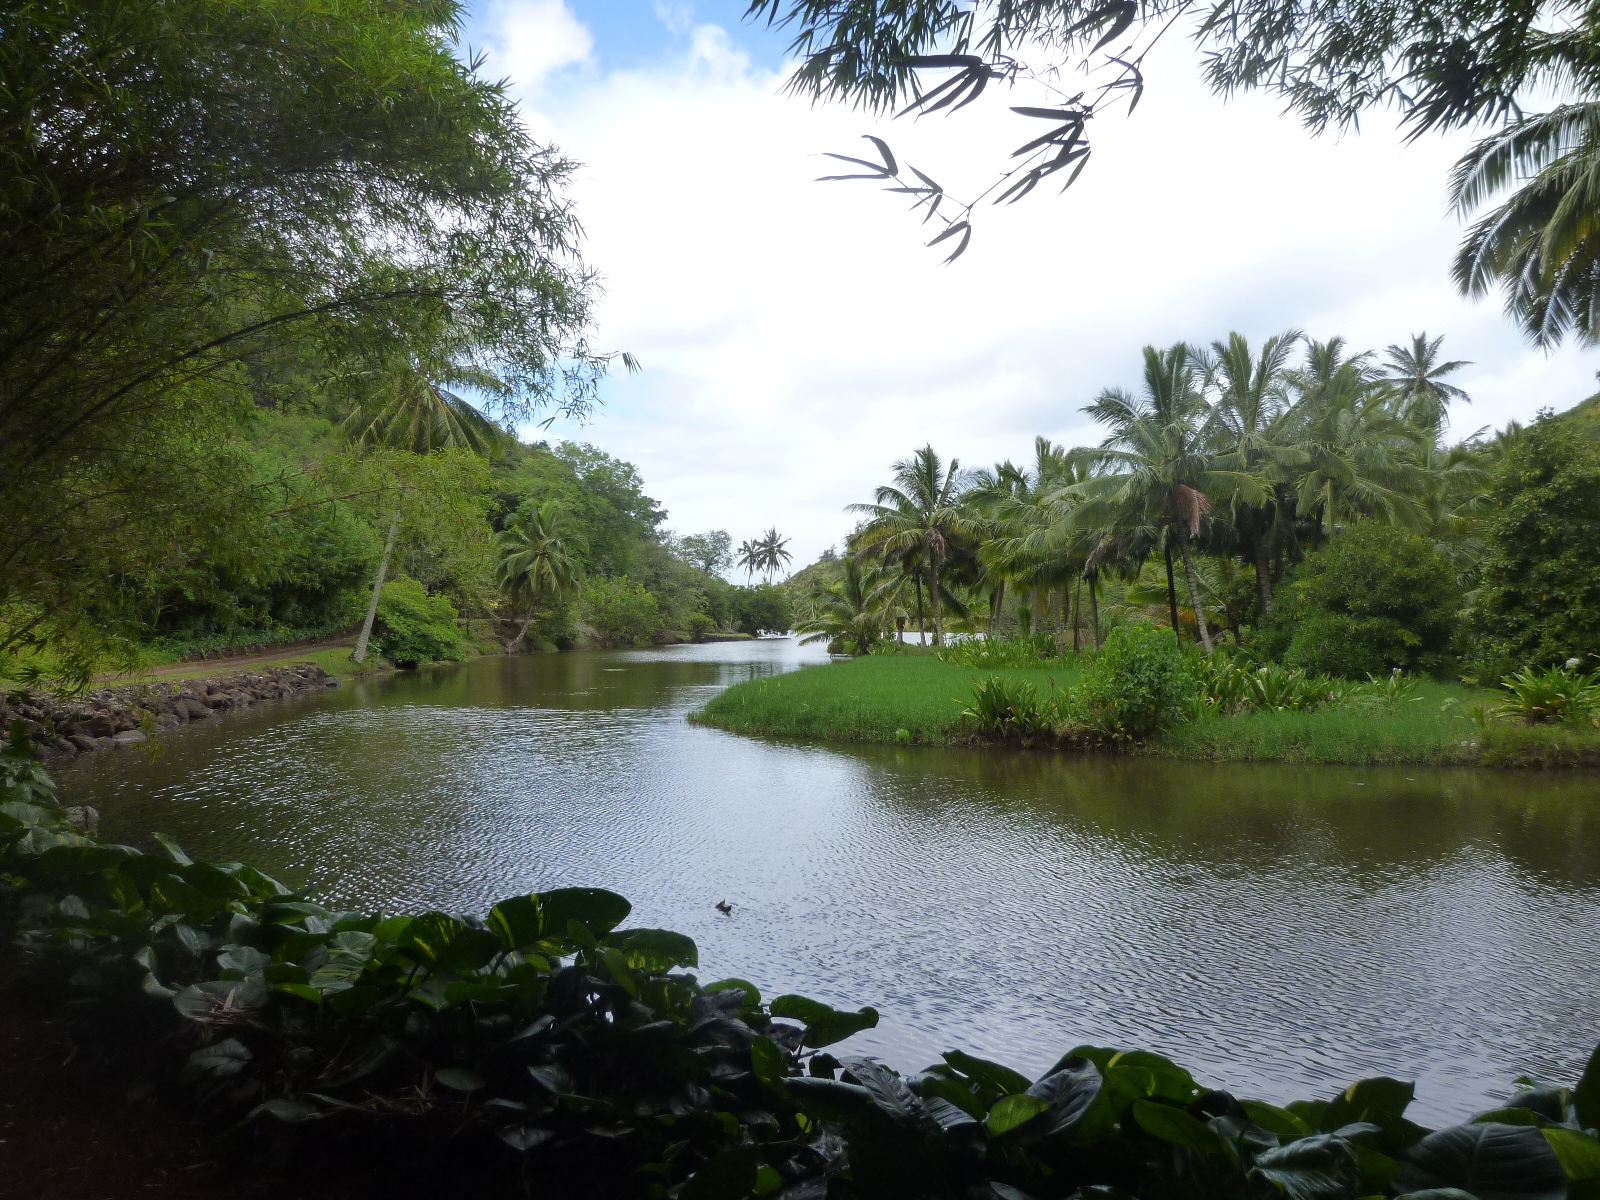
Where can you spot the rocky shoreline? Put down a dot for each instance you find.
(132, 713)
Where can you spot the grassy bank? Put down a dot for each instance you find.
(872, 699)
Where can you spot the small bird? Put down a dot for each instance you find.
(724, 907)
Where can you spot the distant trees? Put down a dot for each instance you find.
(711, 552)
(539, 560)
(766, 555)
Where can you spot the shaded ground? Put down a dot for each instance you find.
(65, 1135)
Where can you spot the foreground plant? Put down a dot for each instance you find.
(1554, 694)
(546, 1051)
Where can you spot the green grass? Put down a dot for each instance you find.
(871, 699)
(865, 700)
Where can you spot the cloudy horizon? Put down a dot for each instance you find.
(797, 337)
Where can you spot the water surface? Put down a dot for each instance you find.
(1277, 929)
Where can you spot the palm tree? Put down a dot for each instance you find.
(1362, 458)
(1254, 437)
(750, 558)
(1542, 244)
(1159, 469)
(1415, 377)
(855, 611)
(770, 553)
(919, 513)
(538, 559)
(409, 409)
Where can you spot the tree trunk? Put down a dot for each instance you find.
(1094, 607)
(1263, 577)
(1077, 617)
(360, 652)
(1172, 592)
(997, 603)
(922, 627)
(938, 608)
(1194, 595)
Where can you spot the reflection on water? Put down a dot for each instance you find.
(1274, 928)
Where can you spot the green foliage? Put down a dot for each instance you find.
(620, 611)
(550, 1041)
(1548, 696)
(1008, 709)
(1374, 598)
(764, 608)
(1539, 602)
(1136, 686)
(1019, 650)
(414, 627)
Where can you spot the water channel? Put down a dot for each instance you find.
(1276, 929)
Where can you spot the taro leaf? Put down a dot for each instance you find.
(227, 1057)
(459, 1079)
(1319, 1167)
(1579, 1153)
(1369, 1100)
(1586, 1096)
(993, 1078)
(1493, 1162)
(767, 1181)
(1071, 1090)
(437, 939)
(831, 1099)
(65, 862)
(545, 916)
(1276, 1120)
(731, 1175)
(715, 1006)
(1549, 1102)
(933, 1085)
(524, 1137)
(1173, 1125)
(347, 956)
(770, 1064)
(243, 959)
(1510, 1116)
(174, 851)
(752, 994)
(948, 1117)
(1012, 1112)
(655, 949)
(553, 1077)
(888, 1091)
(219, 999)
(824, 1025)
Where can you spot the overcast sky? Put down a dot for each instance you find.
(797, 338)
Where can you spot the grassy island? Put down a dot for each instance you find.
(920, 699)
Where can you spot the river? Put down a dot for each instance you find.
(1277, 929)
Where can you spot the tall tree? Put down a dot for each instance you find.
(1415, 376)
(771, 553)
(539, 560)
(919, 512)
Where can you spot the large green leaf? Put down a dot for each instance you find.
(993, 1078)
(1493, 1162)
(1012, 1112)
(1319, 1167)
(731, 1175)
(1369, 1100)
(1579, 1153)
(1070, 1090)
(1172, 1124)
(824, 1025)
(437, 939)
(1586, 1096)
(654, 949)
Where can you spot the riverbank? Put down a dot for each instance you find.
(918, 699)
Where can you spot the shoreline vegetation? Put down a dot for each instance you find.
(918, 699)
(339, 1054)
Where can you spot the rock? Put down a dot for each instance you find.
(191, 708)
(84, 819)
(129, 736)
(100, 725)
(84, 741)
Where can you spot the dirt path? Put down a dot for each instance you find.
(274, 656)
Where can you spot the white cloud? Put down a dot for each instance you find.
(533, 40)
(797, 337)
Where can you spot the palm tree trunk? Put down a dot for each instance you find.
(938, 609)
(1077, 617)
(1194, 595)
(1172, 592)
(997, 602)
(360, 652)
(1094, 607)
(922, 627)
(1263, 577)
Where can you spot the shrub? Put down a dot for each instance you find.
(765, 608)
(1539, 597)
(1374, 598)
(620, 612)
(1136, 685)
(1002, 708)
(1020, 650)
(1544, 697)
(413, 627)
(698, 626)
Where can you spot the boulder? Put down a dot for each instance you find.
(129, 736)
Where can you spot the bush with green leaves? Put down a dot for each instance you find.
(413, 627)
(618, 610)
(1006, 708)
(1019, 650)
(1538, 601)
(1374, 598)
(764, 608)
(1549, 696)
(1136, 685)
(546, 1050)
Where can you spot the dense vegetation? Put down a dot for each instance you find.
(1311, 515)
(547, 1050)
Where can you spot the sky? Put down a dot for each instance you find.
(797, 338)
